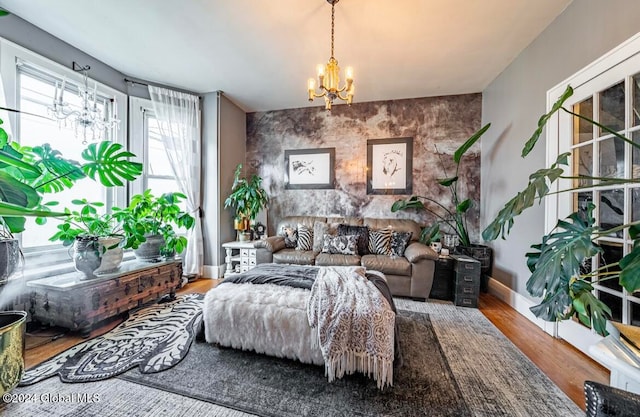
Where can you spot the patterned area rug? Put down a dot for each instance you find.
(268, 386)
(494, 379)
(154, 339)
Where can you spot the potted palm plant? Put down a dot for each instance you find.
(96, 238)
(247, 198)
(558, 263)
(452, 218)
(149, 223)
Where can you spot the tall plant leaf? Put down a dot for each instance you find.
(538, 186)
(110, 164)
(457, 155)
(59, 173)
(542, 122)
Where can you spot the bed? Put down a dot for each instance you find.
(268, 310)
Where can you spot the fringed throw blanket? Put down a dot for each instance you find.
(355, 324)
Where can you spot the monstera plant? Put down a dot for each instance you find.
(28, 173)
(560, 264)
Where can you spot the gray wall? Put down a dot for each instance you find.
(514, 101)
(209, 184)
(445, 122)
(31, 37)
(232, 148)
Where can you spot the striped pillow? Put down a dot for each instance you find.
(380, 241)
(305, 238)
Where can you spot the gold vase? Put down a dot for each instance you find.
(12, 327)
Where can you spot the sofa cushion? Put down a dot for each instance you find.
(380, 242)
(334, 259)
(292, 256)
(387, 264)
(362, 234)
(343, 245)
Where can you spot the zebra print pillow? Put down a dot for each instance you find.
(305, 238)
(380, 241)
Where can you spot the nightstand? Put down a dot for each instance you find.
(243, 256)
(443, 283)
(467, 278)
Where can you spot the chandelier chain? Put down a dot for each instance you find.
(333, 18)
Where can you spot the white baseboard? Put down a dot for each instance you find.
(213, 271)
(520, 303)
(575, 334)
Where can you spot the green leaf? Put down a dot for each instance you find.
(537, 187)
(3, 12)
(469, 143)
(464, 206)
(630, 270)
(591, 311)
(531, 143)
(111, 165)
(411, 203)
(430, 234)
(558, 260)
(447, 181)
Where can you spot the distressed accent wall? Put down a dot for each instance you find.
(441, 123)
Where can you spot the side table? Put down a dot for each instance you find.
(467, 276)
(443, 282)
(242, 256)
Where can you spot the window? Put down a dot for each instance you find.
(28, 83)
(146, 142)
(608, 91)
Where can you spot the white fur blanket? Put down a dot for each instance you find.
(355, 324)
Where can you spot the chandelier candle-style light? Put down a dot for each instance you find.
(329, 76)
(89, 120)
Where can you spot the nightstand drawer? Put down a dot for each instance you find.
(244, 252)
(464, 301)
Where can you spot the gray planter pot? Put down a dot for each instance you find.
(12, 327)
(149, 251)
(9, 258)
(92, 255)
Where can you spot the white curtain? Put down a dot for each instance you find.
(178, 116)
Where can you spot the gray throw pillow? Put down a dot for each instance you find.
(362, 233)
(399, 242)
(290, 235)
(343, 245)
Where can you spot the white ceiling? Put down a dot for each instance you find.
(260, 53)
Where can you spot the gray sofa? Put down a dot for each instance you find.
(407, 276)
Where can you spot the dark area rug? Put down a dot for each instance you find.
(423, 384)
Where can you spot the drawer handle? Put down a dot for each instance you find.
(466, 301)
(467, 278)
(468, 266)
(467, 290)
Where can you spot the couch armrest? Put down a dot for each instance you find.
(604, 401)
(272, 243)
(416, 251)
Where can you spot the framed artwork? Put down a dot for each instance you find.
(390, 166)
(309, 168)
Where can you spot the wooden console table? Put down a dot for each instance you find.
(78, 304)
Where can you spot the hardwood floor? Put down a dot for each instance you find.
(566, 366)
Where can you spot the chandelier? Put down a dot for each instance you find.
(90, 120)
(329, 76)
